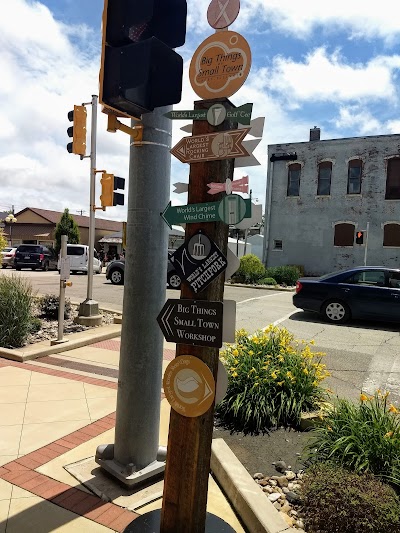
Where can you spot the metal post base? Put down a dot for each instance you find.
(150, 523)
(127, 474)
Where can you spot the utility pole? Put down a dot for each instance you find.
(136, 455)
(366, 246)
(89, 308)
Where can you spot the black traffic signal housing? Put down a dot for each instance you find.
(78, 131)
(360, 237)
(139, 69)
(109, 184)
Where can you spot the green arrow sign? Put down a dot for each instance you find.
(186, 214)
(206, 212)
(241, 114)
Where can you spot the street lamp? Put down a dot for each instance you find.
(10, 219)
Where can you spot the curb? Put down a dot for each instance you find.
(262, 287)
(250, 503)
(75, 340)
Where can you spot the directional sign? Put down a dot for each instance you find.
(180, 187)
(211, 146)
(229, 186)
(220, 65)
(206, 212)
(197, 322)
(232, 207)
(215, 115)
(222, 13)
(189, 386)
(199, 261)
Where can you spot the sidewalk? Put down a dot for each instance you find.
(55, 411)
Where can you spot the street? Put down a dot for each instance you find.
(360, 355)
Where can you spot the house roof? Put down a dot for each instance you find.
(82, 221)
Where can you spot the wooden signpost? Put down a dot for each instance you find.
(218, 69)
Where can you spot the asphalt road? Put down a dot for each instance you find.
(360, 355)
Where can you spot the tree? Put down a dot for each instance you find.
(3, 240)
(66, 226)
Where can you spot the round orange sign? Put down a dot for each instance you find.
(189, 385)
(220, 65)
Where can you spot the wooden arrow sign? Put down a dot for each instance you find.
(211, 146)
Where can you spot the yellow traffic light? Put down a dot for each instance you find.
(78, 131)
(107, 190)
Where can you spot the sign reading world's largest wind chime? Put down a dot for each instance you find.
(199, 321)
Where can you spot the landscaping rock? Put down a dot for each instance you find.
(293, 498)
(280, 466)
(274, 497)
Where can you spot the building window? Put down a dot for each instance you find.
(278, 245)
(344, 234)
(391, 235)
(354, 177)
(393, 179)
(324, 178)
(293, 187)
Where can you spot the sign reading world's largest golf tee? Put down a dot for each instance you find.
(220, 65)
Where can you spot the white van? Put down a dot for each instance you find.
(79, 258)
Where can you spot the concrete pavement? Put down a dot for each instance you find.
(56, 409)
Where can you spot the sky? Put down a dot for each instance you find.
(334, 65)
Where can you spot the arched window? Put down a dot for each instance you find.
(344, 234)
(391, 234)
(354, 176)
(293, 186)
(393, 179)
(324, 178)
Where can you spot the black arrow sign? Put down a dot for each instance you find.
(196, 322)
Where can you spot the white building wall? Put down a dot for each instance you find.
(305, 224)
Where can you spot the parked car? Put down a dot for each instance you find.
(362, 292)
(7, 257)
(79, 259)
(116, 270)
(35, 256)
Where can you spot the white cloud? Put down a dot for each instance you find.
(324, 76)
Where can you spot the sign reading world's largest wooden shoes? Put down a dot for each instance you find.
(220, 65)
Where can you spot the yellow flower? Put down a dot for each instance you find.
(232, 368)
(251, 352)
(235, 352)
(234, 375)
(389, 434)
(256, 384)
(273, 374)
(280, 383)
(312, 342)
(364, 398)
(329, 428)
(305, 371)
(236, 361)
(393, 409)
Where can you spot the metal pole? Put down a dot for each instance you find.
(267, 216)
(89, 309)
(61, 304)
(140, 367)
(366, 246)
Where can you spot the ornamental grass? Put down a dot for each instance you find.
(363, 437)
(272, 379)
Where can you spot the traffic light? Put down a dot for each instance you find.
(78, 131)
(110, 183)
(139, 68)
(359, 237)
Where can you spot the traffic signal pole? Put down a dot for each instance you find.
(89, 308)
(136, 456)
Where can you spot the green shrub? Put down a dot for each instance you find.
(36, 325)
(284, 275)
(271, 381)
(339, 501)
(49, 304)
(362, 437)
(250, 271)
(267, 281)
(16, 311)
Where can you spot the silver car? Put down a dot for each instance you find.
(7, 257)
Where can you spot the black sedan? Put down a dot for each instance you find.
(362, 292)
